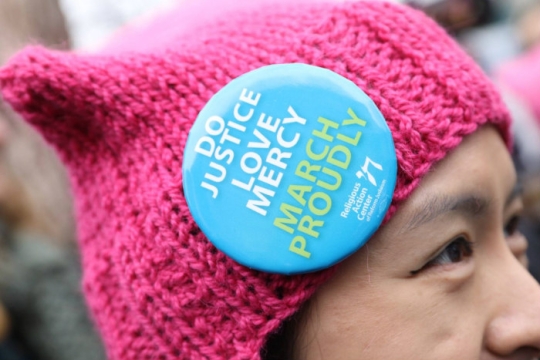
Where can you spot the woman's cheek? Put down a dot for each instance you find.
(391, 319)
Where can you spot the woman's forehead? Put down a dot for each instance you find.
(476, 174)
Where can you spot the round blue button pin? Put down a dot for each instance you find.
(289, 169)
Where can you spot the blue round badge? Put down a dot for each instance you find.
(289, 169)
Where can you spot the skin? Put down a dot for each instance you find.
(419, 290)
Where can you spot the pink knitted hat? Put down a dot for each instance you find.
(157, 288)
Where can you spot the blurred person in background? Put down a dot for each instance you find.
(528, 23)
(42, 313)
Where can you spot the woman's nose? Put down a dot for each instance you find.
(515, 325)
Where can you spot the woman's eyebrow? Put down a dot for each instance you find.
(435, 206)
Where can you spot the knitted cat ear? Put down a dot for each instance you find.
(82, 104)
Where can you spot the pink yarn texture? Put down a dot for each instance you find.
(157, 288)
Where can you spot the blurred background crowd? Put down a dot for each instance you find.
(42, 313)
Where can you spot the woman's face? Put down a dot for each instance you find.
(444, 279)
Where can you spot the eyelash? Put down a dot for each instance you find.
(456, 251)
(461, 248)
(511, 227)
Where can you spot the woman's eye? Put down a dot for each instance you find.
(458, 250)
(511, 227)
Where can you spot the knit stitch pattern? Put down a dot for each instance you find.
(157, 288)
